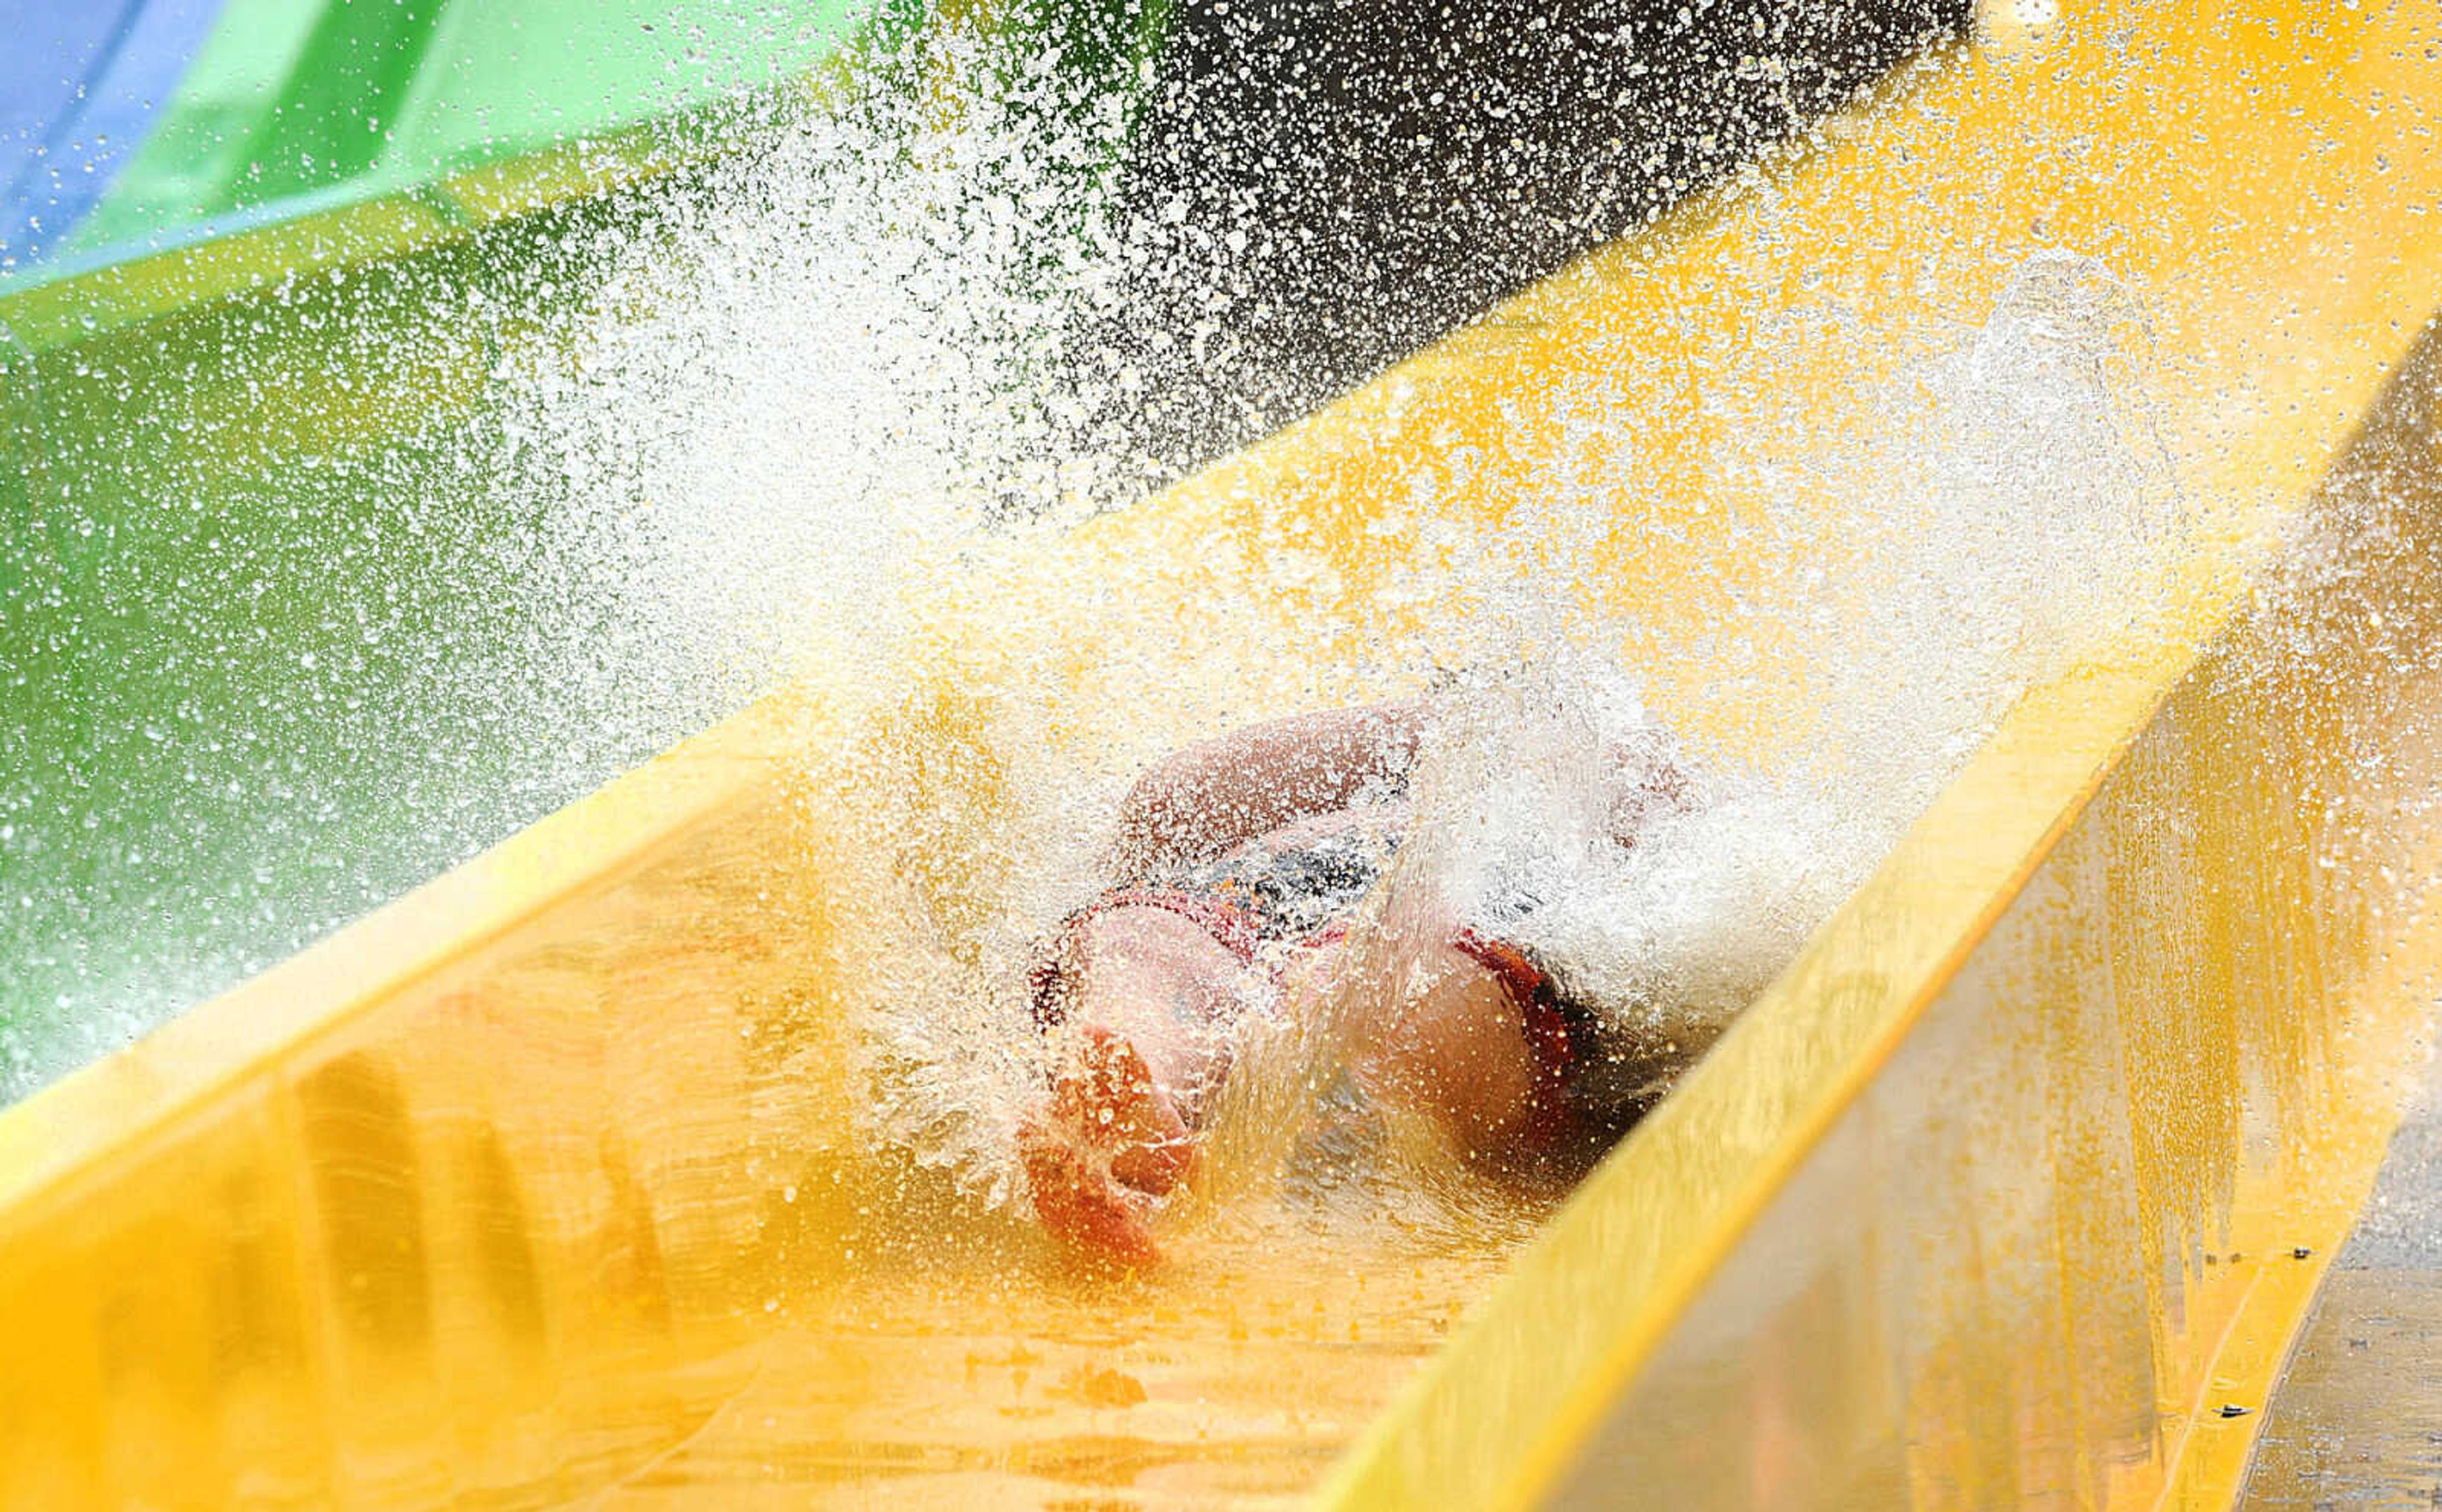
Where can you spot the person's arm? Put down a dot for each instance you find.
(1220, 793)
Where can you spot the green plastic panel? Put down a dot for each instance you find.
(295, 96)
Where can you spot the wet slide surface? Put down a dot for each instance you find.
(1238, 1380)
(558, 1286)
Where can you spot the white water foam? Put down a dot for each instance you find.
(2010, 505)
(836, 364)
(839, 358)
(2012, 508)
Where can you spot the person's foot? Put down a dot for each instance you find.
(1109, 1141)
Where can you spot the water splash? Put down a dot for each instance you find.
(872, 336)
(2008, 507)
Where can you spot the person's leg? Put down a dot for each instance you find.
(1138, 1050)
(1452, 1043)
(1161, 983)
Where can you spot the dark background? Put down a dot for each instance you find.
(1321, 188)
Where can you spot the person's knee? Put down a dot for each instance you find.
(1455, 1049)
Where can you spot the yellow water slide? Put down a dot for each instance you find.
(554, 1181)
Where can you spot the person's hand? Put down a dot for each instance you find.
(1107, 1143)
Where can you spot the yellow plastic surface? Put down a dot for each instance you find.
(1992, 1200)
(555, 1178)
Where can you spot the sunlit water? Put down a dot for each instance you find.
(860, 345)
(2011, 505)
(740, 448)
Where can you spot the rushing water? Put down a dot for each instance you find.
(698, 445)
(2008, 503)
(336, 582)
(761, 427)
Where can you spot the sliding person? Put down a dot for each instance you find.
(1240, 865)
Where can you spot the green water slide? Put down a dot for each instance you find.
(296, 104)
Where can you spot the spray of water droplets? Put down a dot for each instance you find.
(2009, 505)
(882, 334)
